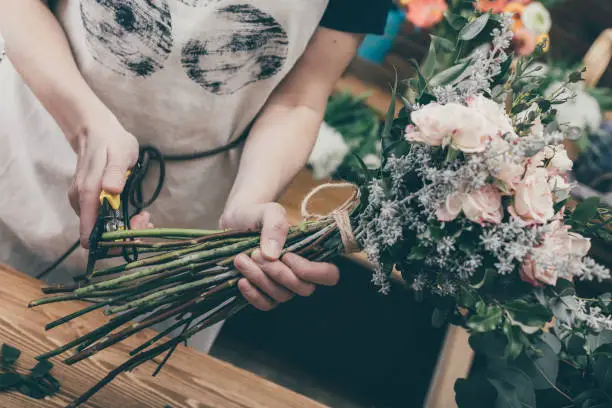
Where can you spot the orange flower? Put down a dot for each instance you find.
(516, 9)
(543, 38)
(494, 6)
(524, 42)
(425, 13)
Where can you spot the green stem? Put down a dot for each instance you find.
(191, 258)
(157, 233)
(173, 290)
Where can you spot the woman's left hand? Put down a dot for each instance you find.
(270, 279)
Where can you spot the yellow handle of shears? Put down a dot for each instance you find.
(113, 199)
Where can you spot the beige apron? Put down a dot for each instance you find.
(182, 75)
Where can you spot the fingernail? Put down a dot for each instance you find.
(271, 248)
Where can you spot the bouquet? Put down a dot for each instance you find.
(470, 205)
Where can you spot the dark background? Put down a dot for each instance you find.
(346, 346)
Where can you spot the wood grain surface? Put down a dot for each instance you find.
(189, 380)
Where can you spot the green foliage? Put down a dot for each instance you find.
(38, 384)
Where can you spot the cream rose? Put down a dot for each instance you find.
(504, 168)
(531, 273)
(431, 125)
(481, 206)
(450, 209)
(493, 113)
(533, 201)
(558, 245)
(560, 160)
(463, 127)
(559, 187)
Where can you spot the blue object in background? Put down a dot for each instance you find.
(374, 48)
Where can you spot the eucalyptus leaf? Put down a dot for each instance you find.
(514, 346)
(9, 380)
(429, 64)
(542, 369)
(8, 355)
(553, 342)
(575, 344)
(474, 27)
(491, 344)
(596, 341)
(42, 368)
(386, 131)
(448, 75)
(455, 20)
(486, 321)
(586, 210)
(507, 396)
(530, 314)
(604, 350)
(519, 381)
(474, 392)
(488, 275)
(417, 253)
(602, 369)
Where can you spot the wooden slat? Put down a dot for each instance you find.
(189, 380)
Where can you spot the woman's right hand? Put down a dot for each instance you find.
(105, 152)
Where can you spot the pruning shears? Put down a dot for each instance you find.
(111, 218)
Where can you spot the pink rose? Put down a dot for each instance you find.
(504, 168)
(533, 200)
(450, 209)
(438, 125)
(431, 123)
(557, 245)
(531, 273)
(559, 161)
(483, 206)
(493, 112)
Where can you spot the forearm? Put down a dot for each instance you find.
(41, 54)
(277, 148)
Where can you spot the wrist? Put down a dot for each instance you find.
(81, 121)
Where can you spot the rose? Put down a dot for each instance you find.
(431, 128)
(536, 18)
(560, 160)
(559, 244)
(531, 273)
(502, 165)
(438, 125)
(450, 209)
(533, 201)
(559, 187)
(481, 206)
(493, 113)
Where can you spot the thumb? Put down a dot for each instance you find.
(274, 231)
(114, 177)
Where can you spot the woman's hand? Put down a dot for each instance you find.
(106, 151)
(269, 280)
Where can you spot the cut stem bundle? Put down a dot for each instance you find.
(186, 279)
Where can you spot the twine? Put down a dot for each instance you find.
(340, 215)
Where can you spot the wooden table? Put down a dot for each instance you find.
(189, 380)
